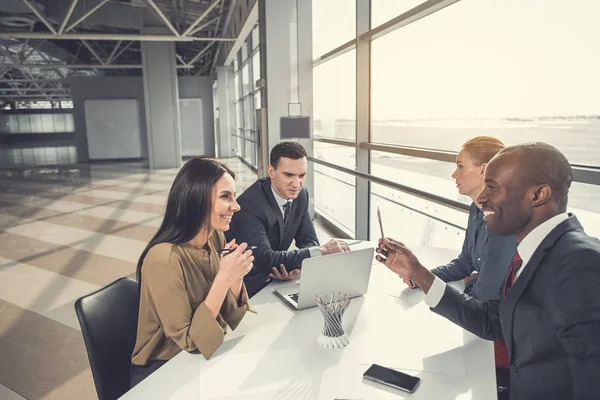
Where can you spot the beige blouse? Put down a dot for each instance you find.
(176, 279)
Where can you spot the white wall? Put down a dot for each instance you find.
(200, 87)
(113, 129)
(108, 88)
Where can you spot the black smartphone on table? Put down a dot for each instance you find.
(392, 378)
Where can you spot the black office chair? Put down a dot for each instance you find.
(108, 320)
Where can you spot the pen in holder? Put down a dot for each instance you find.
(332, 307)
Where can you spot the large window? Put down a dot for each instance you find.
(334, 97)
(464, 71)
(519, 71)
(246, 67)
(36, 123)
(384, 10)
(333, 24)
(334, 198)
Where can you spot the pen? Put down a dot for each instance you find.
(412, 284)
(227, 251)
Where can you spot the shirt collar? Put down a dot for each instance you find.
(278, 199)
(531, 242)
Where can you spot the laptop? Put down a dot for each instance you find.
(347, 273)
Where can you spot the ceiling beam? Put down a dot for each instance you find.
(113, 52)
(66, 19)
(49, 89)
(162, 16)
(35, 96)
(197, 57)
(81, 66)
(40, 16)
(87, 14)
(198, 29)
(232, 5)
(123, 49)
(201, 17)
(93, 52)
(111, 36)
(29, 80)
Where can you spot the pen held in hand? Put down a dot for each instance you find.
(412, 284)
(227, 251)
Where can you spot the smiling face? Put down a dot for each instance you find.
(288, 177)
(468, 175)
(223, 203)
(504, 199)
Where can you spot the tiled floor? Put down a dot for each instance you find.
(65, 232)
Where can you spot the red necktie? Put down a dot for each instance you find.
(500, 350)
(514, 267)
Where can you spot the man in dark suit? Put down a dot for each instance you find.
(550, 315)
(274, 212)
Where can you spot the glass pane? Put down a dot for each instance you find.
(256, 66)
(69, 125)
(339, 155)
(334, 99)
(584, 202)
(59, 123)
(240, 146)
(235, 64)
(244, 51)
(36, 123)
(236, 86)
(47, 123)
(430, 176)
(384, 10)
(463, 72)
(248, 113)
(257, 103)
(424, 226)
(250, 153)
(24, 123)
(245, 80)
(328, 36)
(51, 155)
(239, 117)
(13, 121)
(335, 197)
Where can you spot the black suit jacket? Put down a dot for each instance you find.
(260, 223)
(550, 319)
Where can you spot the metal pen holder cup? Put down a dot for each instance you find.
(333, 306)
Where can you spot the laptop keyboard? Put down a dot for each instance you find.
(294, 296)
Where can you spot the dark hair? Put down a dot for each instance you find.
(293, 150)
(544, 164)
(188, 205)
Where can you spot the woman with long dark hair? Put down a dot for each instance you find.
(189, 293)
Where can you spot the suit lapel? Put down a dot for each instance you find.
(509, 304)
(266, 184)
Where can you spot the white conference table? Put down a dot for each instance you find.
(274, 354)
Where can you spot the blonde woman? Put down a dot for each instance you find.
(484, 259)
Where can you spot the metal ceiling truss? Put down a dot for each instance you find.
(29, 69)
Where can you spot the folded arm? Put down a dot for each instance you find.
(191, 329)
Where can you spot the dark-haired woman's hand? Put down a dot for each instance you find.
(236, 264)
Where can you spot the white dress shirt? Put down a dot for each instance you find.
(315, 251)
(526, 248)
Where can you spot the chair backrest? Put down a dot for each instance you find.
(108, 320)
